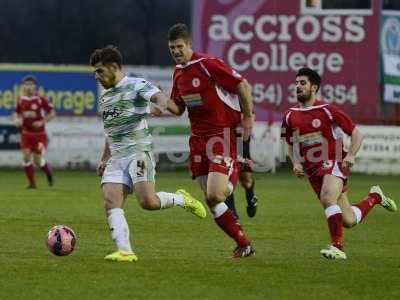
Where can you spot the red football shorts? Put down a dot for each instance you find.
(214, 154)
(34, 141)
(329, 167)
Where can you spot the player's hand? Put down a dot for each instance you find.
(156, 110)
(161, 88)
(348, 161)
(245, 162)
(298, 170)
(38, 124)
(18, 122)
(247, 125)
(101, 167)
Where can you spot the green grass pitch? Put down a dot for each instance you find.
(182, 257)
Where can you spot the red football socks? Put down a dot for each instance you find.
(368, 203)
(46, 169)
(334, 217)
(30, 174)
(227, 222)
(335, 223)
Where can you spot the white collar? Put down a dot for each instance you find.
(180, 66)
(308, 108)
(28, 98)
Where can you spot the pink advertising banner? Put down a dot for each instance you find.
(267, 41)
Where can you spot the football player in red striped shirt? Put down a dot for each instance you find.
(218, 100)
(314, 132)
(31, 115)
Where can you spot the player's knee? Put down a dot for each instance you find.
(149, 202)
(109, 202)
(112, 199)
(211, 202)
(327, 198)
(349, 223)
(215, 197)
(26, 158)
(246, 182)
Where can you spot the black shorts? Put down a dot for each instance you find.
(246, 155)
(246, 149)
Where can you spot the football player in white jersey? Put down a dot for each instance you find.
(127, 164)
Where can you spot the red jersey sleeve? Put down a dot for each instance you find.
(286, 129)
(175, 96)
(342, 119)
(18, 109)
(46, 105)
(224, 75)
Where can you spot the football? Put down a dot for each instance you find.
(61, 240)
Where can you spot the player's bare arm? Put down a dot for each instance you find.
(159, 104)
(356, 140)
(104, 159)
(244, 93)
(50, 116)
(297, 166)
(173, 108)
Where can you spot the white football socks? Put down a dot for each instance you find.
(119, 229)
(27, 164)
(332, 210)
(357, 213)
(218, 210)
(42, 162)
(168, 200)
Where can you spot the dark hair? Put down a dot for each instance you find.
(179, 31)
(313, 76)
(107, 55)
(30, 78)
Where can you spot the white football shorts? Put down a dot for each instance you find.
(130, 170)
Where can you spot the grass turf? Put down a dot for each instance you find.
(182, 257)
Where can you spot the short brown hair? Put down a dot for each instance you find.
(179, 31)
(107, 55)
(30, 78)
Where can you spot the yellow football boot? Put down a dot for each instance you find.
(192, 205)
(121, 256)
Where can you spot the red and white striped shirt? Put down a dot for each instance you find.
(318, 131)
(207, 87)
(32, 109)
